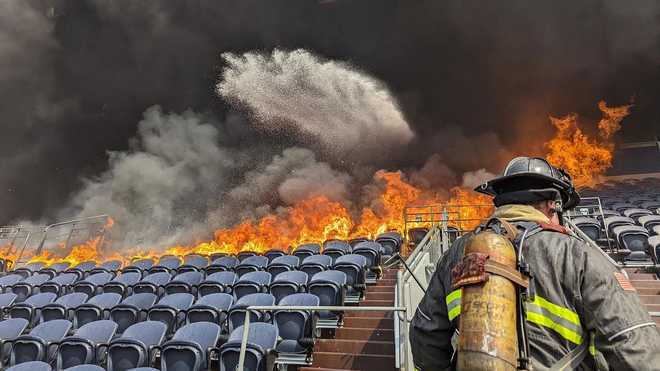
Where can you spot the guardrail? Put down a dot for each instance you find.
(90, 221)
(246, 322)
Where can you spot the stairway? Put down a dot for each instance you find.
(648, 287)
(366, 341)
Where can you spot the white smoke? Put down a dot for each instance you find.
(472, 179)
(352, 114)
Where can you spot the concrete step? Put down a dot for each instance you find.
(371, 314)
(369, 322)
(352, 361)
(390, 274)
(380, 295)
(320, 369)
(387, 288)
(652, 307)
(385, 282)
(650, 299)
(354, 346)
(377, 303)
(648, 291)
(642, 276)
(645, 283)
(356, 333)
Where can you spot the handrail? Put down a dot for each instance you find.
(74, 221)
(246, 322)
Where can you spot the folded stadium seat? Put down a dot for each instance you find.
(222, 264)
(355, 268)
(296, 328)
(184, 282)
(31, 366)
(288, 283)
(281, 264)
(140, 266)
(619, 207)
(210, 308)
(371, 251)
(237, 311)
(252, 283)
(25, 288)
(336, 248)
(188, 349)
(153, 283)
(171, 310)
(654, 244)
(9, 281)
(251, 264)
(390, 242)
(96, 308)
(110, 266)
(649, 221)
(261, 341)
(315, 263)
(59, 284)
(245, 254)
(6, 300)
(274, 253)
(29, 309)
(590, 226)
(123, 284)
(55, 269)
(132, 309)
(10, 329)
(358, 240)
(93, 284)
(82, 269)
(84, 346)
(220, 282)
(134, 348)
(306, 250)
(635, 239)
(193, 263)
(330, 287)
(416, 235)
(62, 307)
(167, 264)
(635, 214)
(36, 346)
(615, 221)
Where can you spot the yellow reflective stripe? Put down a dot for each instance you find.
(592, 344)
(542, 320)
(454, 312)
(558, 311)
(453, 301)
(456, 294)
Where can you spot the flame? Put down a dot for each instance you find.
(585, 158)
(466, 208)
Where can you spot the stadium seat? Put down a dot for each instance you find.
(262, 339)
(251, 283)
(288, 283)
(416, 235)
(140, 266)
(391, 242)
(306, 250)
(184, 282)
(187, 351)
(31, 366)
(210, 308)
(371, 251)
(24, 288)
(245, 254)
(656, 230)
(296, 328)
(9, 281)
(633, 238)
(29, 269)
(355, 268)
(171, 310)
(193, 263)
(123, 284)
(219, 282)
(110, 266)
(329, 286)
(6, 300)
(590, 226)
(84, 368)
(29, 309)
(614, 221)
(10, 329)
(274, 253)
(222, 264)
(649, 222)
(654, 244)
(281, 264)
(82, 269)
(353, 242)
(36, 346)
(59, 284)
(62, 307)
(84, 347)
(93, 284)
(251, 264)
(55, 269)
(336, 248)
(153, 283)
(635, 214)
(652, 206)
(166, 264)
(237, 311)
(132, 309)
(315, 263)
(606, 214)
(620, 206)
(95, 309)
(135, 347)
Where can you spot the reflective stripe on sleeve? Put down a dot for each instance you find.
(592, 344)
(453, 301)
(563, 321)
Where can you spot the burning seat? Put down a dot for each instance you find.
(391, 242)
(251, 264)
(281, 264)
(296, 328)
(29, 309)
(237, 311)
(251, 283)
(262, 339)
(96, 308)
(193, 263)
(336, 248)
(220, 282)
(210, 308)
(288, 283)
(60, 309)
(84, 346)
(184, 282)
(188, 349)
(171, 310)
(123, 284)
(36, 346)
(315, 263)
(355, 268)
(93, 284)
(330, 287)
(222, 264)
(306, 250)
(273, 254)
(59, 284)
(153, 283)
(132, 309)
(635, 239)
(135, 346)
(24, 288)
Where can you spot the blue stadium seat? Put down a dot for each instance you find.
(171, 310)
(187, 351)
(9, 281)
(93, 284)
(245, 254)
(29, 308)
(262, 339)
(153, 283)
(590, 226)
(635, 239)
(353, 242)
(288, 283)
(222, 264)
(281, 264)
(371, 251)
(237, 311)
(24, 288)
(6, 300)
(55, 269)
(110, 266)
(391, 241)
(251, 264)
(184, 282)
(649, 221)
(10, 329)
(636, 213)
(62, 307)
(330, 287)
(193, 263)
(82, 269)
(274, 253)
(59, 284)
(210, 308)
(140, 266)
(336, 248)
(355, 268)
(614, 221)
(132, 309)
(306, 250)
(296, 328)
(84, 347)
(36, 346)
(251, 283)
(219, 282)
(166, 264)
(31, 366)
(135, 347)
(96, 308)
(123, 284)
(29, 269)
(315, 263)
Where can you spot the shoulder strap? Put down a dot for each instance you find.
(572, 359)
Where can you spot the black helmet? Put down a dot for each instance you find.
(531, 179)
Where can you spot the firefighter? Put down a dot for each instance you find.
(576, 298)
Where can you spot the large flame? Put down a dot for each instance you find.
(585, 158)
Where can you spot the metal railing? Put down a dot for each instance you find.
(94, 226)
(246, 322)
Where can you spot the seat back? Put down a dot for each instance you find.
(354, 266)
(210, 308)
(237, 311)
(315, 263)
(273, 254)
(251, 264)
(295, 325)
(329, 287)
(288, 283)
(193, 263)
(245, 254)
(131, 350)
(188, 348)
(11, 328)
(185, 282)
(34, 347)
(7, 299)
(93, 283)
(635, 239)
(132, 309)
(81, 348)
(590, 226)
(139, 266)
(222, 264)
(60, 308)
(122, 283)
(170, 308)
(282, 264)
(251, 283)
(217, 283)
(262, 337)
(93, 310)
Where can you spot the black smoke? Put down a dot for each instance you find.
(473, 78)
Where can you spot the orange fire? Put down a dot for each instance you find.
(585, 158)
(466, 208)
